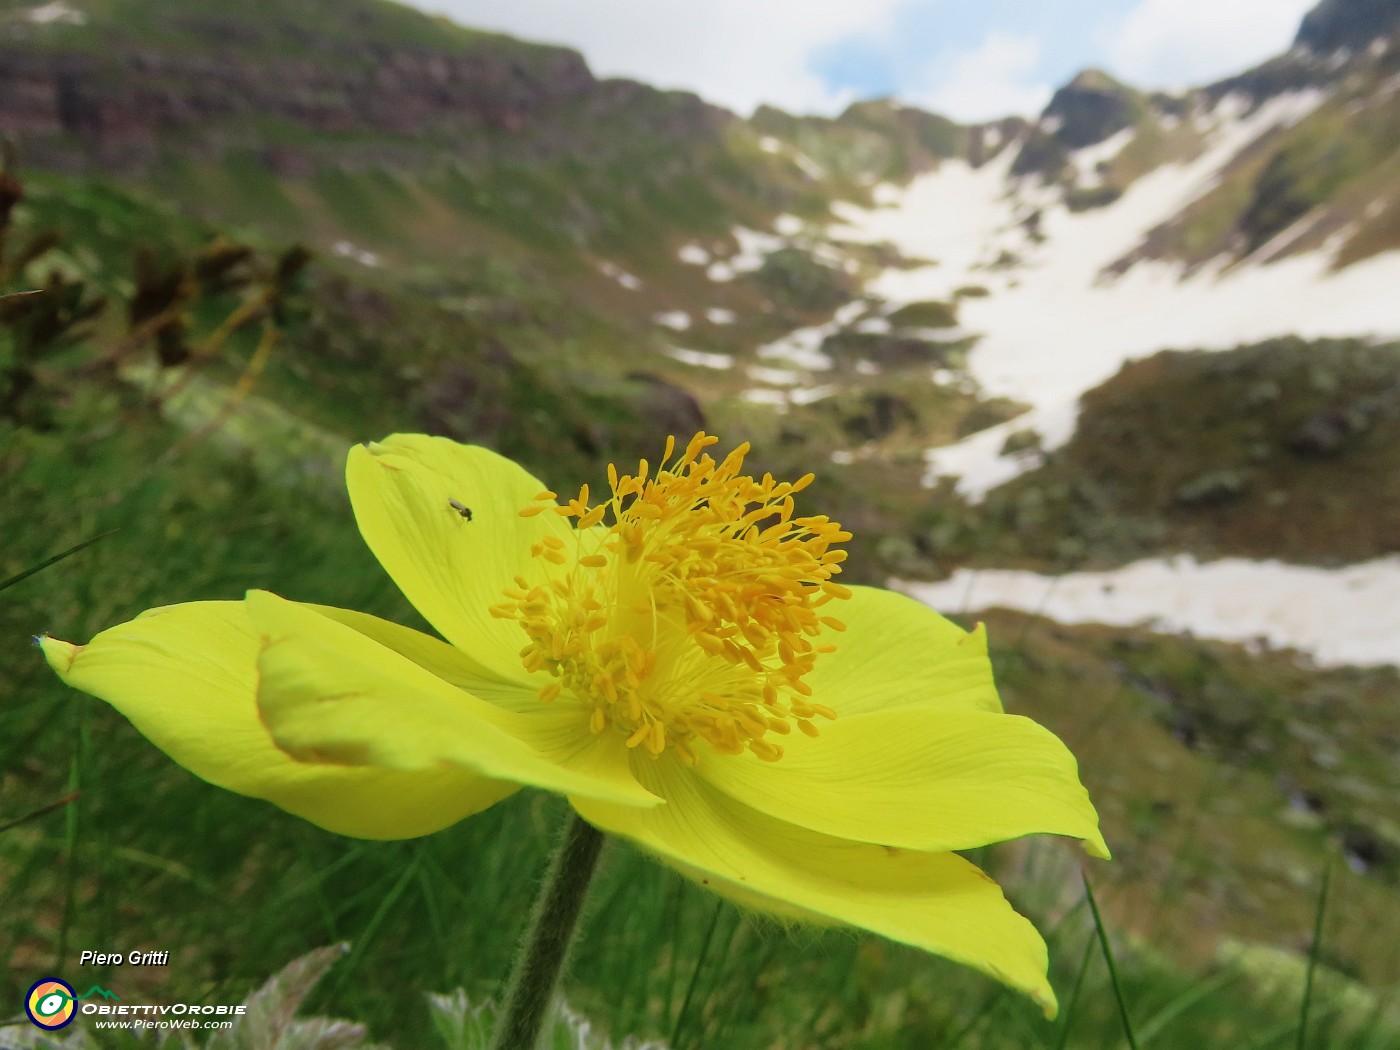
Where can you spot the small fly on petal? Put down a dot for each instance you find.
(461, 508)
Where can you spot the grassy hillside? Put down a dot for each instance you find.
(1285, 449)
(260, 30)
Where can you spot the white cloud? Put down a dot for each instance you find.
(1178, 43)
(737, 53)
(995, 79)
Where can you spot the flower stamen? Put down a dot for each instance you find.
(691, 616)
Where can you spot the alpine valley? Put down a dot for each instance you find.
(1123, 381)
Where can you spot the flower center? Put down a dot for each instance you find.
(691, 615)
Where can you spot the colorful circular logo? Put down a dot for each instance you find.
(51, 1003)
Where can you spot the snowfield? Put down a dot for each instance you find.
(1336, 616)
(1055, 324)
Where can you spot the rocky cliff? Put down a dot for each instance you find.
(1352, 24)
(100, 83)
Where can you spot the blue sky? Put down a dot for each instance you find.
(928, 35)
(972, 61)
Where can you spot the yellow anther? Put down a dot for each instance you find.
(656, 739)
(692, 624)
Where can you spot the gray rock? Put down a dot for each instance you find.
(1212, 488)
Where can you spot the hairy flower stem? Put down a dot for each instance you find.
(546, 946)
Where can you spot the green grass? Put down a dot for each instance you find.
(320, 30)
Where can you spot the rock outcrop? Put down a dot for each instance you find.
(123, 98)
(1351, 24)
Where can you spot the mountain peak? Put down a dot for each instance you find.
(1091, 107)
(1095, 80)
(1335, 24)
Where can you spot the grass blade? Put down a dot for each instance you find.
(695, 977)
(1182, 1003)
(1312, 957)
(56, 558)
(366, 935)
(983, 1012)
(1068, 1021)
(1112, 967)
(41, 811)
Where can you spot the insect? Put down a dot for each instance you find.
(461, 508)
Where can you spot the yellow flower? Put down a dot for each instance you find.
(677, 660)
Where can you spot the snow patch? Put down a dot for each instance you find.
(754, 247)
(676, 320)
(1345, 616)
(1056, 326)
(56, 13)
(700, 358)
(694, 255)
(629, 281)
(354, 253)
(1086, 161)
(719, 315)
(772, 398)
(812, 394)
(774, 376)
(808, 166)
(802, 348)
(788, 225)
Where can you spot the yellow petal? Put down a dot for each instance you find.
(329, 694)
(934, 901)
(447, 661)
(451, 569)
(186, 677)
(896, 652)
(920, 779)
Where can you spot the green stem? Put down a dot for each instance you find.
(546, 945)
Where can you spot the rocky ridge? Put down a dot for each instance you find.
(214, 86)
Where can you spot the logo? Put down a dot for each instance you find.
(52, 1004)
